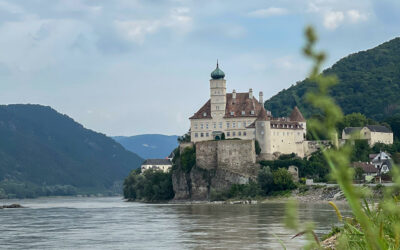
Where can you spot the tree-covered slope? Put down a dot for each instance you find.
(149, 146)
(369, 83)
(40, 147)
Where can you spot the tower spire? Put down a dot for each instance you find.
(217, 63)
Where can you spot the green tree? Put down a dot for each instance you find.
(282, 180)
(265, 179)
(188, 159)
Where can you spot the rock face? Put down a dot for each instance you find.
(219, 164)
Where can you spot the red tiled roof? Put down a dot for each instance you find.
(367, 167)
(296, 115)
(206, 109)
(241, 103)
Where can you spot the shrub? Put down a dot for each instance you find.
(152, 185)
(188, 159)
(265, 180)
(282, 180)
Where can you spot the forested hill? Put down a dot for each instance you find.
(369, 83)
(149, 145)
(43, 152)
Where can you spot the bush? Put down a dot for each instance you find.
(265, 180)
(188, 159)
(282, 180)
(152, 185)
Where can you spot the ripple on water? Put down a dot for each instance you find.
(110, 223)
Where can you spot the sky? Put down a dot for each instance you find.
(128, 67)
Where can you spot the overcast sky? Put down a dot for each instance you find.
(128, 67)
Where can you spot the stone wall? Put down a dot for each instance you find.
(219, 164)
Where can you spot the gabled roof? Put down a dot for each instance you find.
(367, 167)
(241, 103)
(296, 115)
(157, 162)
(206, 109)
(372, 128)
(378, 128)
(351, 130)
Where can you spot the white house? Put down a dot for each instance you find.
(157, 164)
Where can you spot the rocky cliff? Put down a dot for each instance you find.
(218, 165)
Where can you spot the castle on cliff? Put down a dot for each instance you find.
(242, 116)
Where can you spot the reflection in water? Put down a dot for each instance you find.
(110, 223)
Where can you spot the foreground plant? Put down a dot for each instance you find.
(376, 227)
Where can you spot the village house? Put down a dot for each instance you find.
(382, 162)
(157, 164)
(369, 170)
(242, 116)
(372, 133)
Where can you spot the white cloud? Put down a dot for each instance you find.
(137, 30)
(271, 11)
(356, 16)
(12, 8)
(332, 19)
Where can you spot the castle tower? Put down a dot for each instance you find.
(297, 116)
(263, 134)
(218, 93)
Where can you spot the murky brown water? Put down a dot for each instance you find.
(110, 223)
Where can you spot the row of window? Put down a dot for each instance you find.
(232, 113)
(284, 126)
(228, 134)
(220, 125)
(285, 133)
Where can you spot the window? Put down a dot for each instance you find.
(196, 135)
(244, 124)
(243, 112)
(227, 125)
(201, 126)
(232, 113)
(207, 125)
(233, 133)
(207, 134)
(202, 135)
(244, 133)
(239, 133)
(220, 125)
(228, 134)
(252, 112)
(215, 125)
(217, 107)
(205, 114)
(239, 124)
(233, 124)
(195, 126)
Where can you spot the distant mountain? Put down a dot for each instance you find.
(369, 83)
(43, 152)
(149, 146)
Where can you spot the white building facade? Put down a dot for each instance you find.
(242, 116)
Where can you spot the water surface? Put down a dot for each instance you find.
(111, 223)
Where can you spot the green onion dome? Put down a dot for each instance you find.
(217, 73)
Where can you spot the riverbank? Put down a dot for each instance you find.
(310, 194)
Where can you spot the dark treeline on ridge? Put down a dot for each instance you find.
(43, 152)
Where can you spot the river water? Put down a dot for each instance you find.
(111, 223)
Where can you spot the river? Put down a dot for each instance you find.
(111, 223)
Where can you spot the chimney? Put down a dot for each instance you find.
(234, 95)
(251, 93)
(260, 99)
